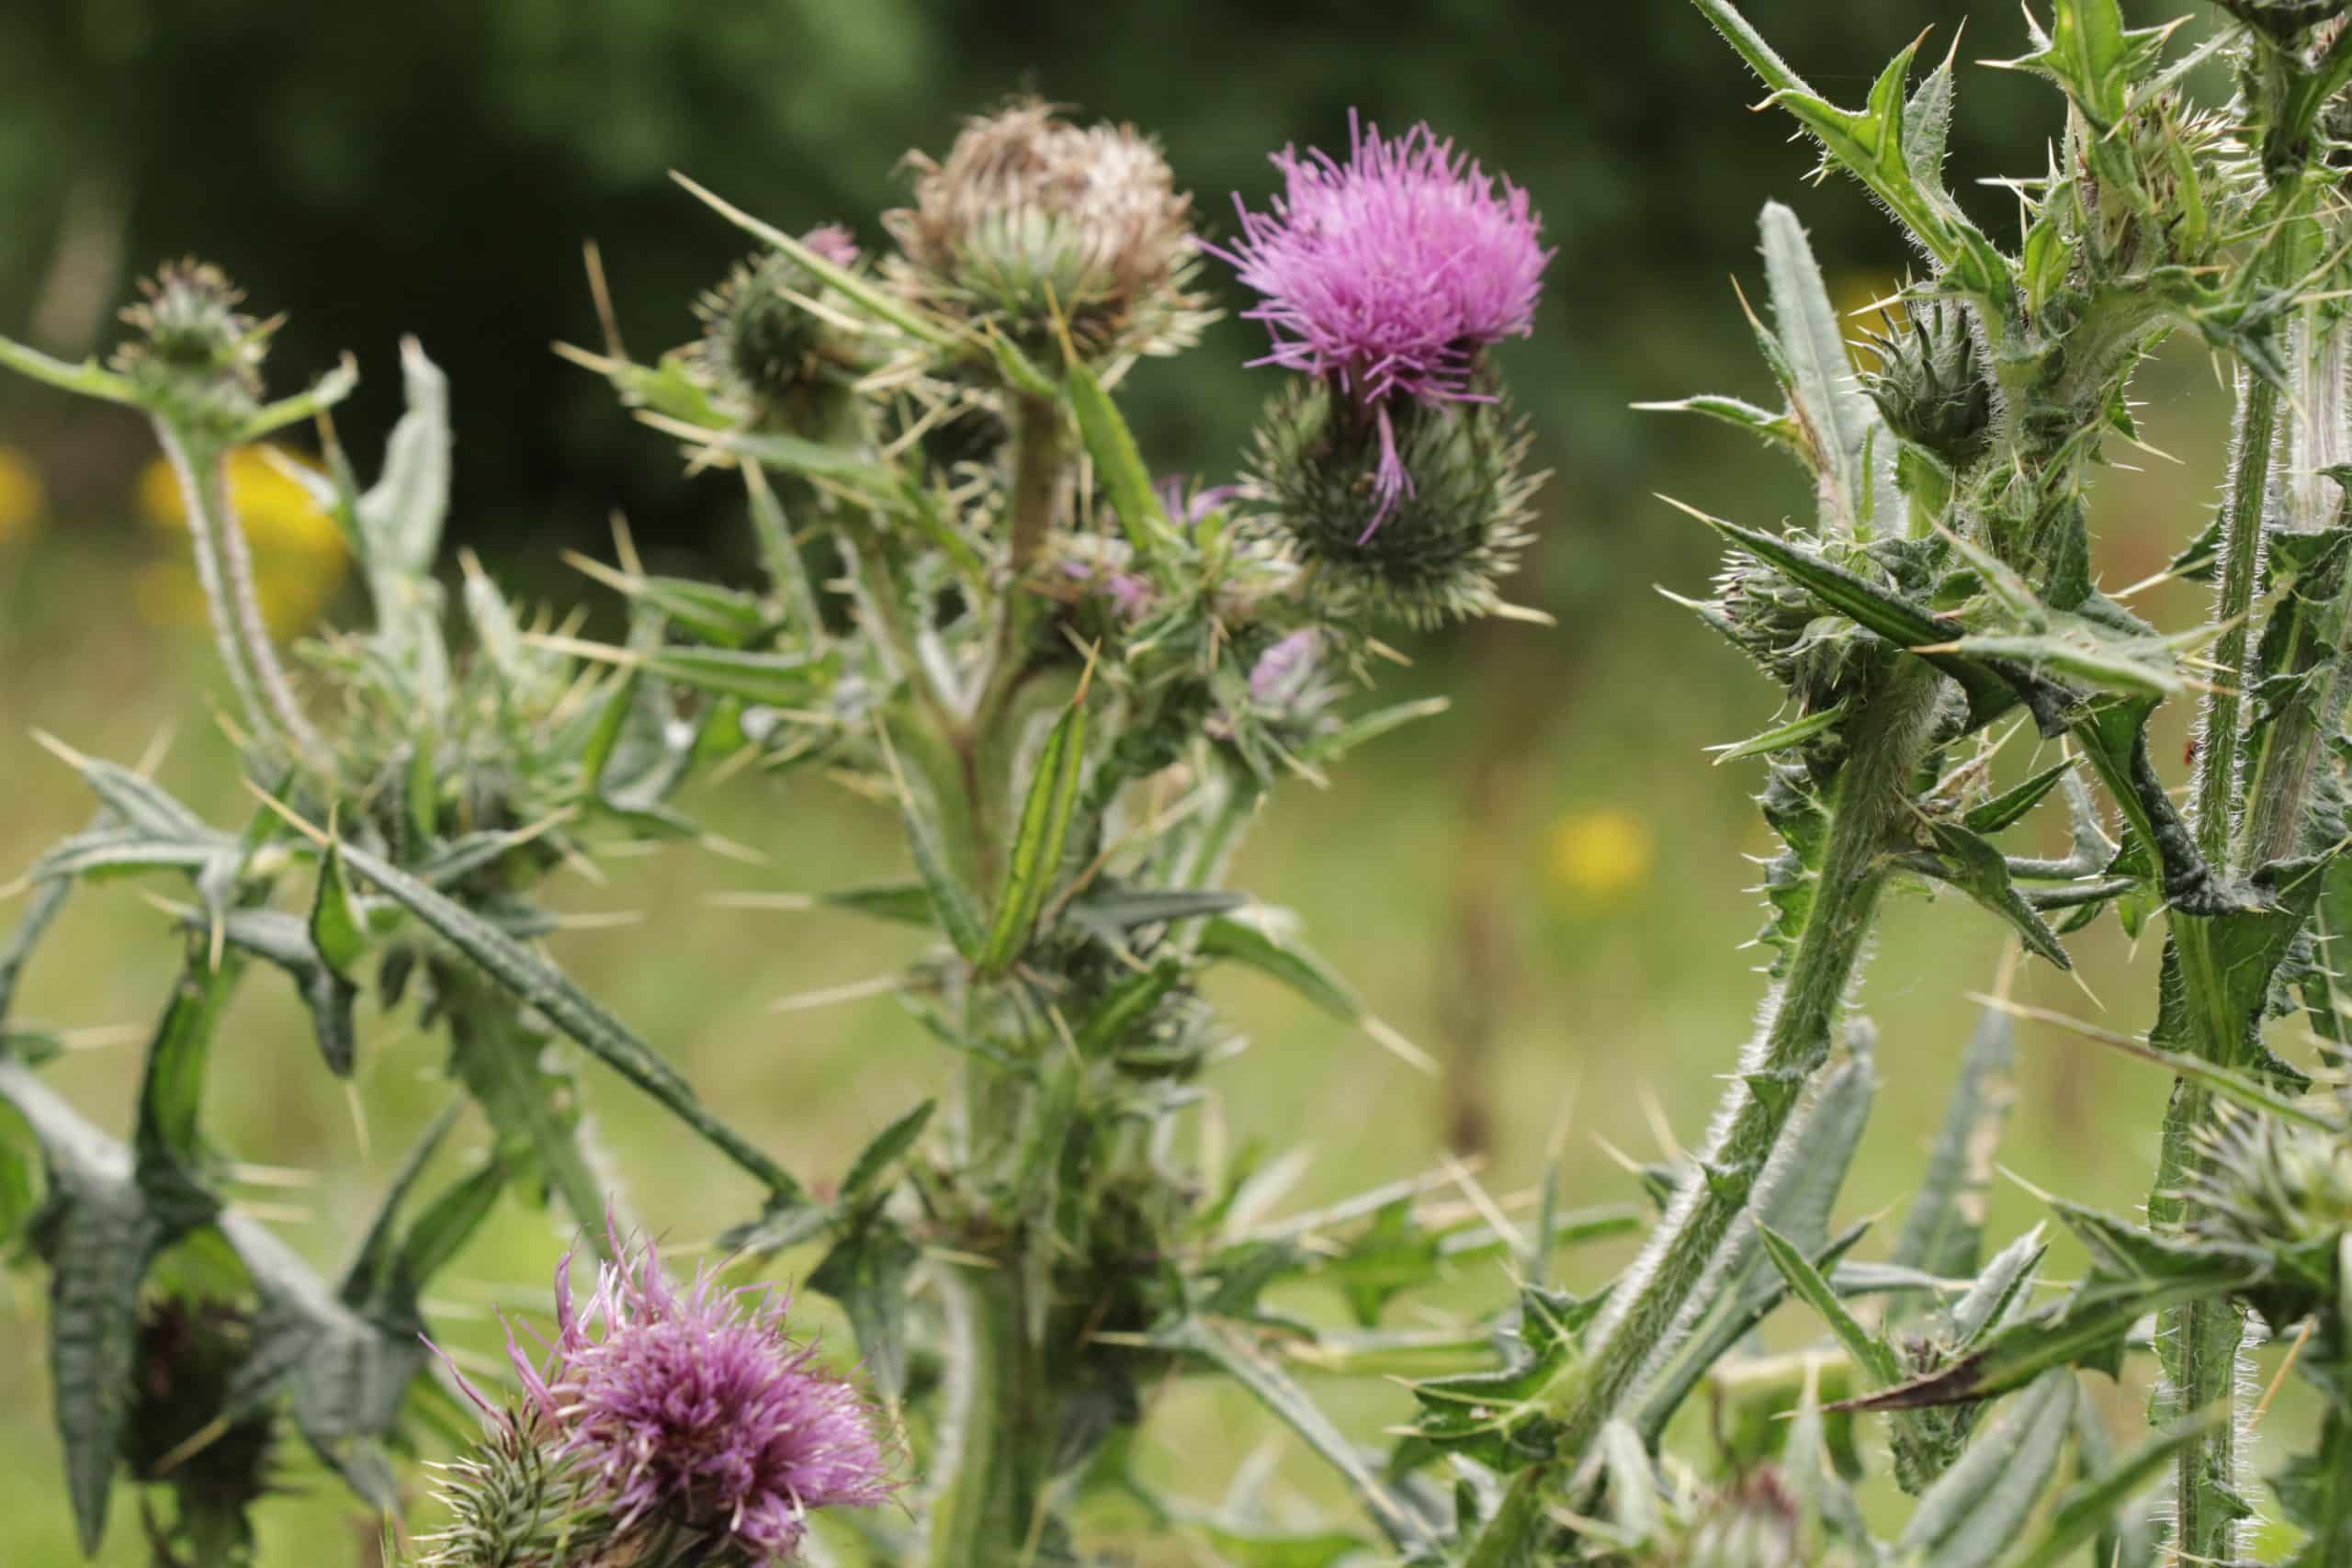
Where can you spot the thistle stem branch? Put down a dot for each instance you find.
(1890, 738)
(197, 474)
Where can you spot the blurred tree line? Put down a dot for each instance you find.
(433, 166)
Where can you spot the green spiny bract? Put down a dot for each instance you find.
(2284, 19)
(1440, 552)
(195, 352)
(1930, 384)
(789, 366)
(517, 1501)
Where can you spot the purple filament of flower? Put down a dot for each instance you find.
(1387, 274)
(697, 1404)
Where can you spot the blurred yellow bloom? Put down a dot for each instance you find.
(20, 494)
(1863, 300)
(1599, 854)
(300, 554)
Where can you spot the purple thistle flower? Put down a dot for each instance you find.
(697, 1404)
(1387, 274)
(833, 243)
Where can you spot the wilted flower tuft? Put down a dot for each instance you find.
(696, 1409)
(1389, 274)
(1031, 220)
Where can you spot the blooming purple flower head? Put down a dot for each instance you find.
(697, 1406)
(1387, 274)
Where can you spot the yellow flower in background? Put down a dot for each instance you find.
(1599, 854)
(21, 499)
(300, 554)
(1864, 302)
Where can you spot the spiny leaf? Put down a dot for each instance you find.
(1980, 1506)
(1119, 466)
(1037, 843)
(1872, 1353)
(540, 983)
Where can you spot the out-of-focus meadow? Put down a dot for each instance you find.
(1545, 887)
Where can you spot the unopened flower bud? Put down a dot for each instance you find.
(196, 356)
(787, 363)
(1930, 384)
(1031, 221)
(1434, 551)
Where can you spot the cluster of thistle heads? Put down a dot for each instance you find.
(927, 384)
(1388, 477)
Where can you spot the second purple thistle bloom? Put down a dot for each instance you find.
(1389, 272)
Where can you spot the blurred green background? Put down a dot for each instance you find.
(1545, 887)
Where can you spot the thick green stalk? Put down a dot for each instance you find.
(2285, 763)
(2197, 1343)
(2252, 456)
(987, 1469)
(1888, 741)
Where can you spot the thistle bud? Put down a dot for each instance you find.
(1432, 553)
(2274, 1185)
(1032, 220)
(196, 356)
(518, 1499)
(1930, 384)
(760, 344)
(1782, 626)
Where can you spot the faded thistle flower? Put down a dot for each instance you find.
(1031, 220)
(195, 355)
(1388, 276)
(790, 364)
(694, 1410)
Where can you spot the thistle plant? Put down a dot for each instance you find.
(1942, 598)
(1073, 678)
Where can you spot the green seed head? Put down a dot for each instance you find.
(1438, 551)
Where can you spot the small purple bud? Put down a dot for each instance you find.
(833, 243)
(1280, 675)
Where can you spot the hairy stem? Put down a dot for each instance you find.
(197, 479)
(1889, 739)
(2285, 763)
(2253, 457)
(986, 1472)
(2197, 1343)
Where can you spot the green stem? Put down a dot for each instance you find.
(2253, 455)
(2286, 762)
(194, 474)
(988, 1468)
(1890, 737)
(2197, 1343)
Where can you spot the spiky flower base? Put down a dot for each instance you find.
(1437, 553)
